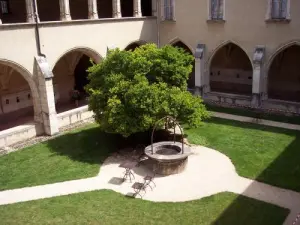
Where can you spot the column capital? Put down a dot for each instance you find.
(30, 11)
(259, 54)
(137, 8)
(199, 53)
(93, 10)
(117, 9)
(65, 14)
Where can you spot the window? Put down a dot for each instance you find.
(279, 9)
(168, 9)
(4, 6)
(216, 9)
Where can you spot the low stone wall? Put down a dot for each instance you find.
(228, 98)
(73, 116)
(20, 133)
(280, 105)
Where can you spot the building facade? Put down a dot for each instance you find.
(246, 53)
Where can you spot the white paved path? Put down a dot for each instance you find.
(257, 121)
(208, 172)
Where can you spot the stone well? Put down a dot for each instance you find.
(168, 157)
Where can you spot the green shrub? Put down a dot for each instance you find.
(130, 91)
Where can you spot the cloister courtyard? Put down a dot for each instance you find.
(238, 173)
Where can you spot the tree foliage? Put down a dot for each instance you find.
(130, 90)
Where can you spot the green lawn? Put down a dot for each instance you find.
(107, 207)
(270, 155)
(75, 155)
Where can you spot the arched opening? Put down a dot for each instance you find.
(16, 99)
(284, 75)
(127, 8)
(231, 71)
(146, 7)
(104, 8)
(132, 46)
(48, 10)
(191, 81)
(13, 12)
(70, 78)
(79, 9)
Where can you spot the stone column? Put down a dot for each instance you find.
(199, 70)
(137, 8)
(257, 77)
(46, 93)
(30, 11)
(117, 9)
(154, 7)
(65, 14)
(93, 11)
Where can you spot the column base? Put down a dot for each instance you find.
(93, 16)
(256, 100)
(65, 17)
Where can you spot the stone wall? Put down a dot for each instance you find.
(73, 116)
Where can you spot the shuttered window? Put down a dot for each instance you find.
(279, 9)
(216, 9)
(168, 10)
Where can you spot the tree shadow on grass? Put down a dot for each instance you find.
(248, 211)
(93, 146)
(89, 145)
(284, 172)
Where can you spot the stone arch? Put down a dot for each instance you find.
(134, 44)
(70, 73)
(177, 39)
(221, 45)
(84, 50)
(178, 43)
(34, 93)
(230, 69)
(283, 77)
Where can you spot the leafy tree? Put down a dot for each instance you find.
(130, 90)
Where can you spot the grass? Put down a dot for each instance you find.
(107, 207)
(249, 113)
(270, 155)
(75, 155)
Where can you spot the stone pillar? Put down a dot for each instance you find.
(117, 9)
(257, 77)
(199, 70)
(154, 7)
(137, 8)
(93, 11)
(30, 11)
(46, 92)
(65, 14)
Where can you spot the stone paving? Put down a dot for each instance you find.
(208, 172)
(257, 121)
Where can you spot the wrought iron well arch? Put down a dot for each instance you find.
(175, 123)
